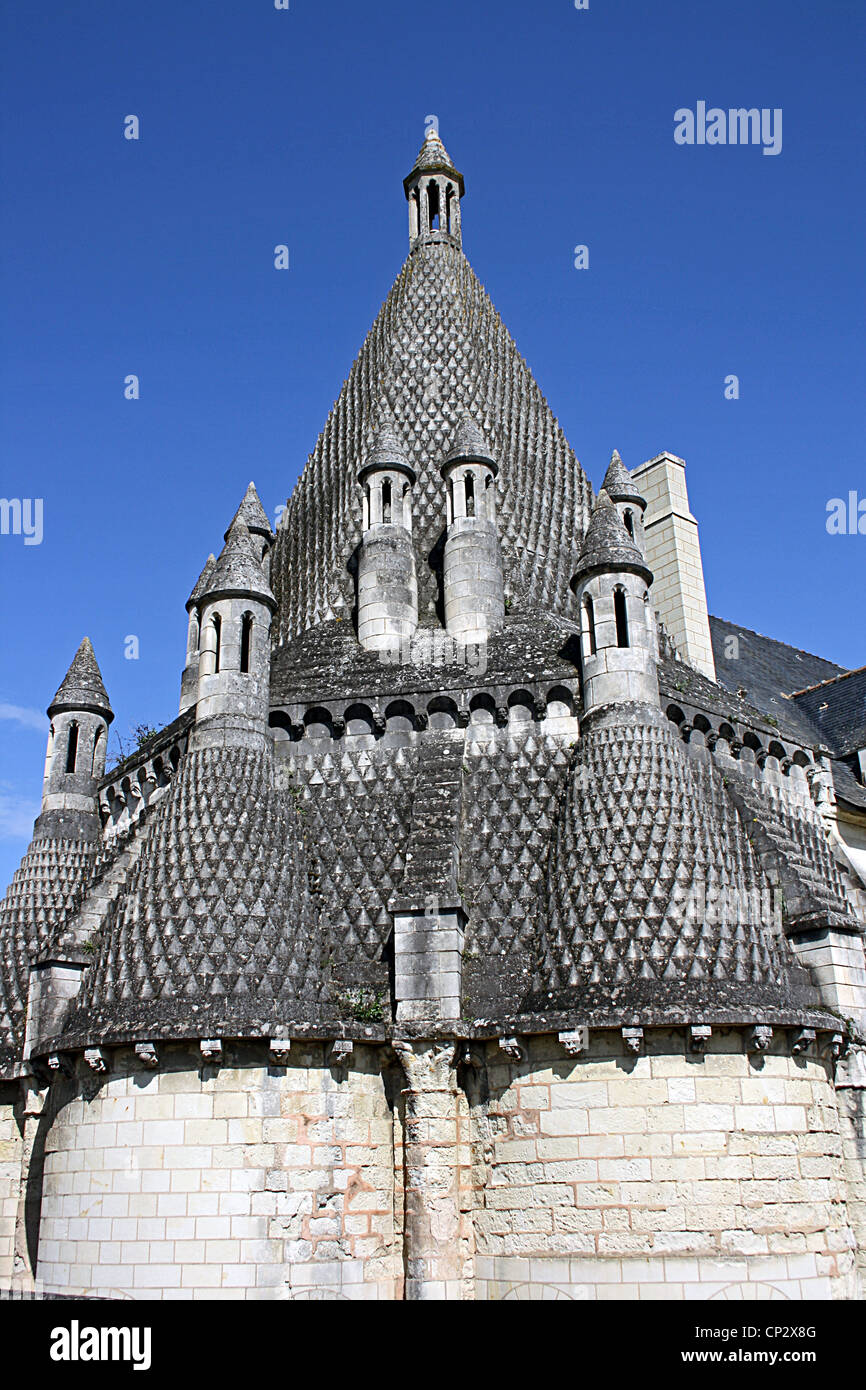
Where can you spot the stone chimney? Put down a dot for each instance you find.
(673, 554)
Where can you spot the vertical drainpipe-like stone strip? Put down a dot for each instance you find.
(851, 1096)
(29, 1190)
(433, 1249)
(428, 912)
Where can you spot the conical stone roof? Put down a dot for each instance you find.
(238, 571)
(438, 352)
(608, 545)
(618, 483)
(201, 583)
(386, 451)
(434, 158)
(82, 687)
(252, 514)
(469, 443)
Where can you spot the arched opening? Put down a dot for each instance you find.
(433, 205)
(587, 623)
(97, 753)
(246, 642)
(386, 502)
(72, 748)
(449, 207)
(217, 624)
(619, 611)
(629, 523)
(470, 495)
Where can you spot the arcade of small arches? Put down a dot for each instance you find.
(745, 746)
(334, 719)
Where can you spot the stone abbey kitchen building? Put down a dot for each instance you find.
(481, 928)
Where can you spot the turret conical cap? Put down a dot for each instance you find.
(433, 158)
(385, 451)
(608, 545)
(238, 571)
(201, 583)
(618, 483)
(469, 444)
(252, 514)
(82, 687)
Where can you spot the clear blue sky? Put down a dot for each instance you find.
(261, 127)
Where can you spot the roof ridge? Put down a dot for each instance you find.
(831, 680)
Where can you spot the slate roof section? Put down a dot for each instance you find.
(82, 687)
(768, 671)
(837, 708)
(438, 351)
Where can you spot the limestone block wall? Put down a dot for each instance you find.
(672, 1174)
(239, 1181)
(10, 1172)
(673, 554)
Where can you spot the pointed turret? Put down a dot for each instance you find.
(80, 714)
(235, 606)
(82, 687)
(189, 679)
(472, 579)
(434, 189)
(387, 582)
(611, 584)
(626, 496)
(255, 518)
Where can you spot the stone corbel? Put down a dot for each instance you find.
(470, 1056)
(514, 1049)
(60, 1063)
(803, 1040)
(96, 1059)
(758, 1039)
(699, 1036)
(211, 1051)
(633, 1039)
(340, 1053)
(575, 1041)
(146, 1054)
(279, 1049)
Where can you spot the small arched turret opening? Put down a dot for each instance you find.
(98, 753)
(246, 642)
(628, 518)
(72, 748)
(386, 502)
(621, 616)
(449, 207)
(433, 205)
(587, 626)
(216, 623)
(470, 495)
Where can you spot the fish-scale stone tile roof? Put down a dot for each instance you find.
(437, 352)
(216, 926)
(657, 900)
(45, 890)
